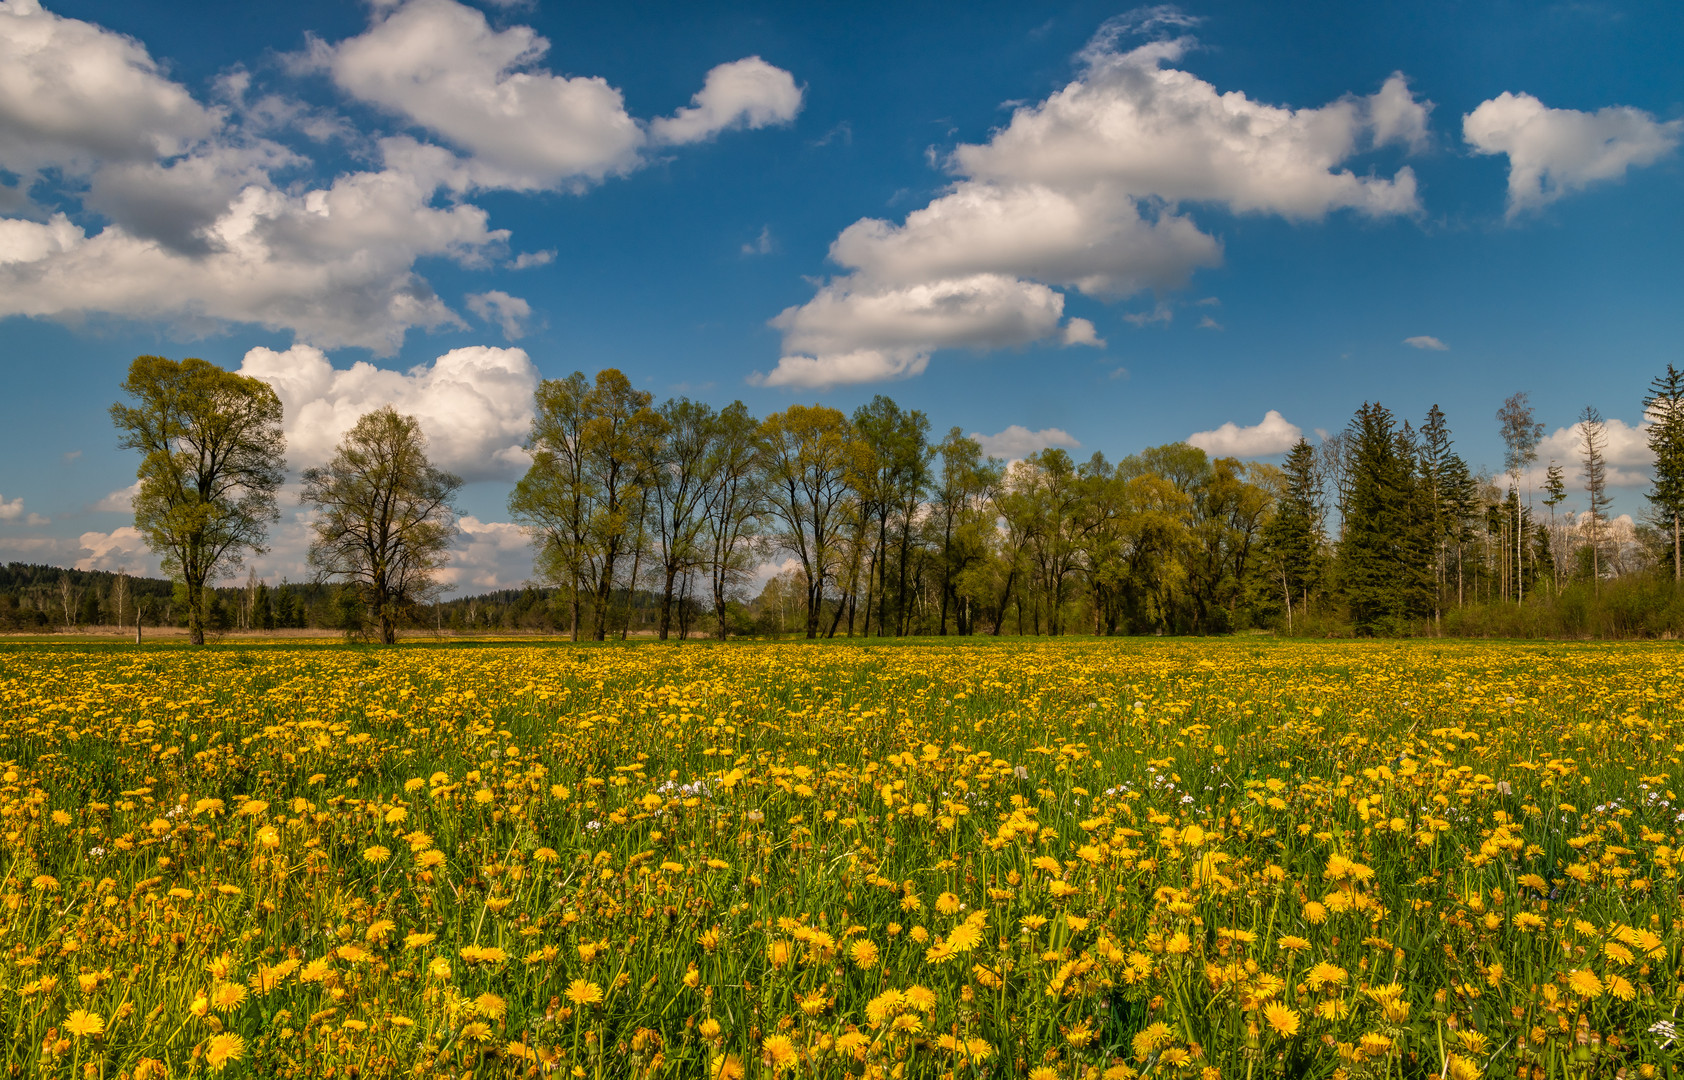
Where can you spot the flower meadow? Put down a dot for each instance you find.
(970, 859)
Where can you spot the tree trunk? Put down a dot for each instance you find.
(666, 600)
(195, 612)
(836, 620)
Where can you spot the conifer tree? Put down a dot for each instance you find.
(1664, 406)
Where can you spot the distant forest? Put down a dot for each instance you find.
(48, 599)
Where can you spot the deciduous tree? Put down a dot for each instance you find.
(213, 457)
(384, 517)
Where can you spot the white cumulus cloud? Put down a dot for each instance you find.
(1625, 451)
(440, 65)
(474, 404)
(1426, 341)
(334, 265)
(1018, 441)
(747, 93)
(1084, 190)
(73, 94)
(487, 555)
(196, 217)
(507, 312)
(1553, 152)
(123, 548)
(850, 335)
(1274, 434)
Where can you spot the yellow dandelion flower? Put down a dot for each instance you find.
(228, 996)
(582, 992)
(1282, 1019)
(1584, 983)
(224, 1048)
(864, 953)
(921, 998)
(82, 1024)
(779, 1052)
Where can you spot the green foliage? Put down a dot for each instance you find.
(212, 459)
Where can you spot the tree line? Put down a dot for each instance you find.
(663, 514)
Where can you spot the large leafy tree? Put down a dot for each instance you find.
(733, 504)
(213, 458)
(679, 486)
(809, 452)
(621, 441)
(384, 516)
(554, 499)
(1664, 405)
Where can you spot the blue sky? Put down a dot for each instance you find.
(1096, 228)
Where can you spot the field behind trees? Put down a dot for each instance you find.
(1056, 859)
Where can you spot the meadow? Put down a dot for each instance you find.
(970, 859)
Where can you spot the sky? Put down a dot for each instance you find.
(1073, 225)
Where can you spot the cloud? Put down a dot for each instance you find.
(1553, 152)
(196, 217)
(1081, 332)
(1625, 450)
(333, 264)
(848, 336)
(441, 66)
(474, 404)
(1018, 441)
(1208, 323)
(760, 245)
(1095, 240)
(123, 548)
(1426, 341)
(1087, 190)
(487, 555)
(508, 312)
(747, 93)
(1148, 130)
(11, 509)
(1272, 435)
(120, 501)
(73, 94)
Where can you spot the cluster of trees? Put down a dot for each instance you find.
(1418, 533)
(1381, 529)
(50, 598)
(889, 532)
(213, 457)
(659, 515)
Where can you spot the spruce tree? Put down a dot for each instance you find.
(1664, 405)
(1383, 554)
(1293, 535)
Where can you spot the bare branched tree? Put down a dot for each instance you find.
(1593, 432)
